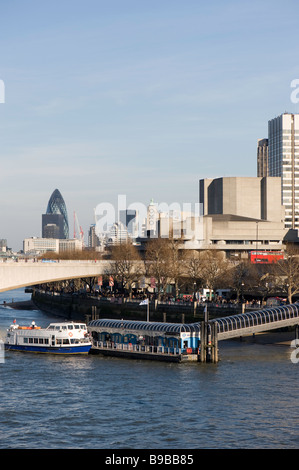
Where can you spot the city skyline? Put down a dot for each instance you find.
(135, 99)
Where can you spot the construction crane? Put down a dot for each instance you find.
(79, 228)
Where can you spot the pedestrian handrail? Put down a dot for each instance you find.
(138, 348)
(259, 320)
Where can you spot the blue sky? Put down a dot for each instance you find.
(135, 97)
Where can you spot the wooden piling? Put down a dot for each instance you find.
(209, 342)
(215, 357)
(94, 315)
(203, 343)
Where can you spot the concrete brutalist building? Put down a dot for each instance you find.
(242, 214)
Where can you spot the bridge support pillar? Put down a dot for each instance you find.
(203, 342)
(94, 315)
(209, 342)
(214, 341)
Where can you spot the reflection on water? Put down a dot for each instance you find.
(248, 400)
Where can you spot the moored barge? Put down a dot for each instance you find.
(174, 342)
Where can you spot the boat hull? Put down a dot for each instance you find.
(80, 349)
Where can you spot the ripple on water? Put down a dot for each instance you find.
(248, 400)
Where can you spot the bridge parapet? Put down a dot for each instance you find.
(22, 273)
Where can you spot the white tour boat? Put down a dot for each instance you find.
(57, 338)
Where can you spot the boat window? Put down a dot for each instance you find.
(58, 341)
(57, 327)
(25, 340)
(83, 327)
(70, 327)
(66, 341)
(63, 327)
(46, 341)
(35, 340)
(30, 340)
(77, 327)
(40, 341)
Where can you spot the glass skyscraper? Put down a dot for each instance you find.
(55, 221)
(283, 161)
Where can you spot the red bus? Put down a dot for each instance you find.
(265, 257)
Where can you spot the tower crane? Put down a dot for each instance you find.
(79, 228)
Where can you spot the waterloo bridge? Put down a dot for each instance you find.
(23, 273)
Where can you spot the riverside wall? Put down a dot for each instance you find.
(85, 308)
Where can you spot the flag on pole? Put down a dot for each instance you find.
(144, 302)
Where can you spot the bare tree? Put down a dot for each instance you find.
(176, 265)
(193, 266)
(239, 278)
(264, 281)
(126, 265)
(90, 282)
(158, 262)
(214, 269)
(287, 271)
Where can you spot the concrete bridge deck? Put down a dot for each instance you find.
(22, 273)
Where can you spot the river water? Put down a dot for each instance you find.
(249, 400)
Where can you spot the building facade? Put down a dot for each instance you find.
(242, 215)
(262, 158)
(283, 161)
(52, 226)
(128, 218)
(3, 245)
(37, 246)
(93, 239)
(56, 215)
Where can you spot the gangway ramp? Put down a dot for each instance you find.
(248, 323)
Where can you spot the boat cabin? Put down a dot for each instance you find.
(185, 337)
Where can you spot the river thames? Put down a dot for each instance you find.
(249, 400)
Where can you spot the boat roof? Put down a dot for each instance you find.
(144, 325)
(63, 323)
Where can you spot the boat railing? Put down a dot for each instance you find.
(137, 348)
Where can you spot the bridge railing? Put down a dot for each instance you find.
(50, 261)
(257, 318)
(136, 348)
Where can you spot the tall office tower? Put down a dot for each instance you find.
(127, 218)
(283, 161)
(55, 221)
(262, 158)
(3, 244)
(93, 239)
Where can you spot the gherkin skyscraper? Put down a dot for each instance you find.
(55, 221)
